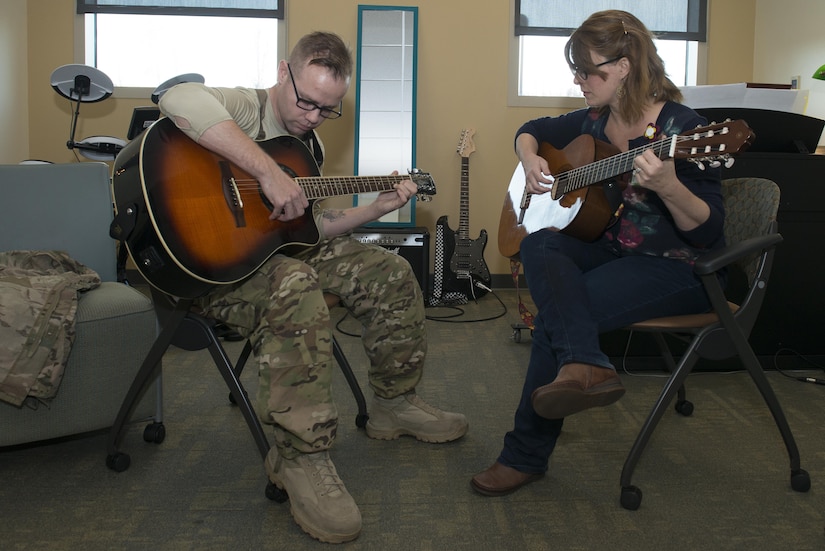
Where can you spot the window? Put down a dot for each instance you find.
(165, 40)
(542, 27)
(543, 70)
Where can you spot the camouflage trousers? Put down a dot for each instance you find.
(281, 309)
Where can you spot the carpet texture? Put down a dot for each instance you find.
(716, 480)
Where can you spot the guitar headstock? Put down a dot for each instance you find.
(465, 143)
(425, 183)
(715, 143)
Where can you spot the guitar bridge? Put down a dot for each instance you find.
(232, 194)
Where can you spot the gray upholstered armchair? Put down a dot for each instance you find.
(68, 207)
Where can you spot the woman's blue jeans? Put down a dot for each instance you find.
(581, 290)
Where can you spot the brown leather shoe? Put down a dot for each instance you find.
(577, 387)
(499, 480)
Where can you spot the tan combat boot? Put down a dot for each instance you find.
(319, 501)
(409, 415)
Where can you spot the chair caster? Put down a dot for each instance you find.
(232, 398)
(118, 461)
(154, 433)
(685, 407)
(275, 493)
(517, 329)
(631, 498)
(361, 420)
(800, 480)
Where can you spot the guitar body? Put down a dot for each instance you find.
(584, 213)
(466, 265)
(179, 217)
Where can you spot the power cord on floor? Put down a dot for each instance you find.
(451, 318)
(458, 312)
(800, 378)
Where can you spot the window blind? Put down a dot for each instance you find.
(670, 20)
(222, 8)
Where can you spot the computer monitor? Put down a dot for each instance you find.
(142, 118)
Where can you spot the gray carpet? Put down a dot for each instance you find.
(716, 480)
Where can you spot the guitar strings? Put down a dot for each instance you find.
(320, 187)
(603, 169)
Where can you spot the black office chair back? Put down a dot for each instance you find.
(751, 205)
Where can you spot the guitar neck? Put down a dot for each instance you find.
(464, 212)
(320, 187)
(610, 167)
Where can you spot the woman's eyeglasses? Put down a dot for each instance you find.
(581, 74)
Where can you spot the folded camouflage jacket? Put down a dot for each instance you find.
(38, 302)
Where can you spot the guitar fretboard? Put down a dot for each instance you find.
(323, 187)
(609, 167)
(464, 199)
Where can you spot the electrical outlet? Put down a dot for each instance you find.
(795, 82)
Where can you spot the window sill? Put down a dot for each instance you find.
(556, 102)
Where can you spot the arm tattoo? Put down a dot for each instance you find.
(333, 214)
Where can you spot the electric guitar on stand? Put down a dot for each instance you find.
(460, 270)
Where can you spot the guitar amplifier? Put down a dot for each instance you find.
(413, 243)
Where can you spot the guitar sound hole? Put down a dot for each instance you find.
(291, 173)
(265, 201)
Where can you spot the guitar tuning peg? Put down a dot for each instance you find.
(715, 164)
(700, 164)
(729, 162)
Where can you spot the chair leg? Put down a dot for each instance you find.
(631, 497)
(231, 376)
(800, 479)
(115, 459)
(683, 406)
(346, 369)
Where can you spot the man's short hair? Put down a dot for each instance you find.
(325, 49)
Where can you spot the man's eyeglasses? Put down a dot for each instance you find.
(582, 74)
(307, 105)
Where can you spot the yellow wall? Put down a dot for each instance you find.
(14, 106)
(462, 82)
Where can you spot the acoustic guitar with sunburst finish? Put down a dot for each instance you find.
(192, 220)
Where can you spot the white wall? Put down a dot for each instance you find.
(790, 41)
(14, 136)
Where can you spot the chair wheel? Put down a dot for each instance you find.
(118, 462)
(800, 480)
(235, 402)
(275, 493)
(685, 407)
(361, 420)
(631, 498)
(154, 432)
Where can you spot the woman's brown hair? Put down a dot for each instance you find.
(616, 34)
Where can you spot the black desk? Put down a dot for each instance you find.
(793, 315)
